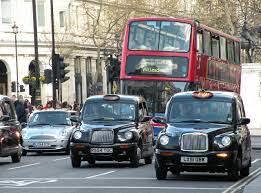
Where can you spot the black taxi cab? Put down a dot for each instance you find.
(113, 127)
(205, 131)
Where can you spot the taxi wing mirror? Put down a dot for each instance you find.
(243, 121)
(75, 119)
(146, 119)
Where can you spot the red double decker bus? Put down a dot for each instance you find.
(163, 56)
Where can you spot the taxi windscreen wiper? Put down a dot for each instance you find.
(39, 124)
(191, 121)
(102, 119)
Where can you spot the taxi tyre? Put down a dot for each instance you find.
(75, 161)
(91, 161)
(175, 172)
(135, 157)
(148, 160)
(16, 158)
(233, 173)
(245, 171)
(161, 171)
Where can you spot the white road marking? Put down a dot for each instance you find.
(114, 187)
(23, 166)
(102, 174)
(256, 160)
(241, 183)
(61, 159)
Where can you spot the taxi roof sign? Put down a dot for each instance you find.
(111, 97)
(202, 94)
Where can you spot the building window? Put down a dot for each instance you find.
(40, 13)
(6, 11)
(61, 17)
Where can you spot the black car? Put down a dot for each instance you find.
(10, 130)
(113, 127)
(205, 132)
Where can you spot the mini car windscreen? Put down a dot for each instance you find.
(201, 111)
(50, 118)
(108, 111)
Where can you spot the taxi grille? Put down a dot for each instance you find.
(194, 142)
(103, 136)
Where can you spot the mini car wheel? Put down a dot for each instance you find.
(148, 160)
(244, 171)
(161, 171)
(135, 158)
(76, 161)
(16, 157)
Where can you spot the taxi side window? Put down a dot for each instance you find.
(145, 109)
(239, 110)
(141, 113)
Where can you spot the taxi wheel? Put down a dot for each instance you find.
(135, 158)
(76, 161)
(16, 157)
(148, 160)
(161, 171)
(233, 173)
(91, 161)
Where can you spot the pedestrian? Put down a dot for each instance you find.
(20, 110)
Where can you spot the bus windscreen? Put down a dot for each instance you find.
(159, 36)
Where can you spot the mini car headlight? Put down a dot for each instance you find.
(164, 140)
(77, 135)
(225, 141)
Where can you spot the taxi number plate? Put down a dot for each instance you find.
(194, 160)
(101, 150)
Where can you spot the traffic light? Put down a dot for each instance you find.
(13, 86)
(48, 76)
(22, 88)
(62, 70)
(114, 72)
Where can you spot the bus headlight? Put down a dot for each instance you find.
(77, 135)
(164, 140)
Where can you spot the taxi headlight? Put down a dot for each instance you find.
(125, 136)
(77, 135)
(164, 140)
(225, 141)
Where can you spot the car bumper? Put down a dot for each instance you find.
(217, 161)
(120, 151)
(45, 145)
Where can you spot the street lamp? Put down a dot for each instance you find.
(15, 31)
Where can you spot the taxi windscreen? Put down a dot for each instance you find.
(201, 111)
(108, 110)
